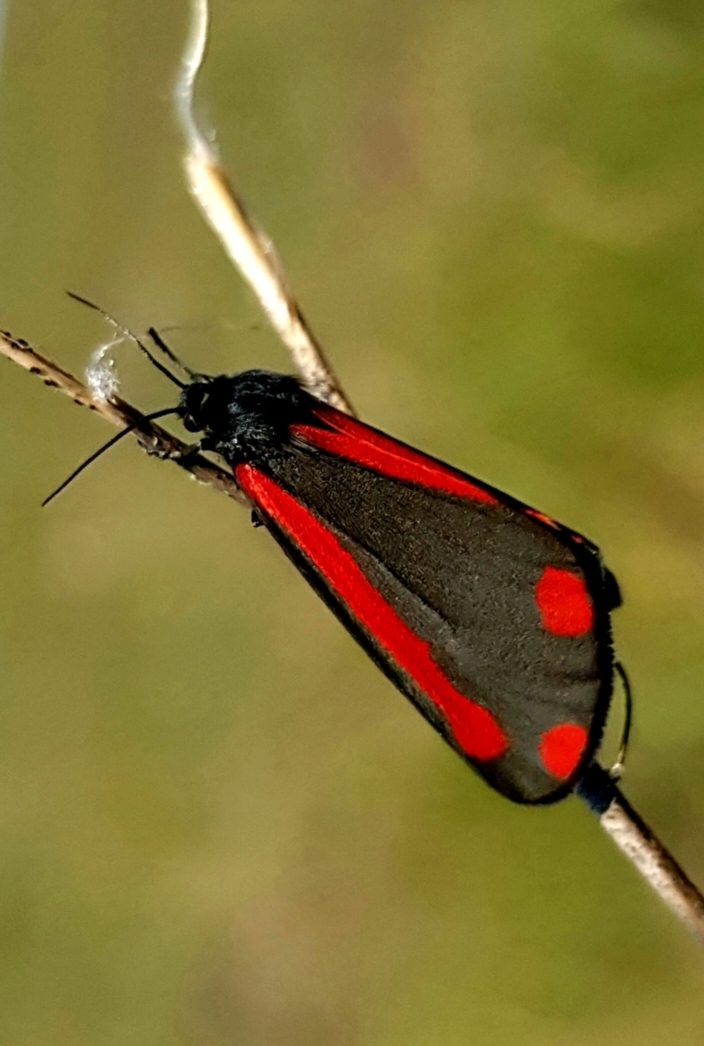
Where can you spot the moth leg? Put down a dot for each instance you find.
(189, 451)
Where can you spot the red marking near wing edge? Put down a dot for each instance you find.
(352, 439)
(542, 518)
(474, 728)
(563, 602)
(561, 748)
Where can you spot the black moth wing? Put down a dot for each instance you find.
(462, 574)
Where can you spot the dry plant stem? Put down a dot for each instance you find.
(152, 438)
(597, 788)
(256, 258)
(248, 246)
(656, 864)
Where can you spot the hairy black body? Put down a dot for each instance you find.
(245, 417)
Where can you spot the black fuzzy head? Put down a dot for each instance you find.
(245, 417)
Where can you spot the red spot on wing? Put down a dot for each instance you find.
(474, 728)
(357, 441)
(564, 603)
(561, 748)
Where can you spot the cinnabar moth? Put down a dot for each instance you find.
(490, 616)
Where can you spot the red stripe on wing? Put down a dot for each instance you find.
(474, 728)
(357, 441)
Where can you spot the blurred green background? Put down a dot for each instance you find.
(219, 825)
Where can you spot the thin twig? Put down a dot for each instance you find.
(152, 438)
(255, 256)
(641, 846)
(246, 244)
(654, 862)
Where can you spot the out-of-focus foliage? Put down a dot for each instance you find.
(219, 824)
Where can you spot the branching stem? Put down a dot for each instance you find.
(152, 438)
(255, 256)
(628, 830)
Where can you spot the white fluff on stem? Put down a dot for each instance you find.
(101, 375)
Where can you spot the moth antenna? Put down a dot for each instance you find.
(106, 446)
(161, 344)
(130, 334)
(618, 767)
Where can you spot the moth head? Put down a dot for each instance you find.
(195, 407)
